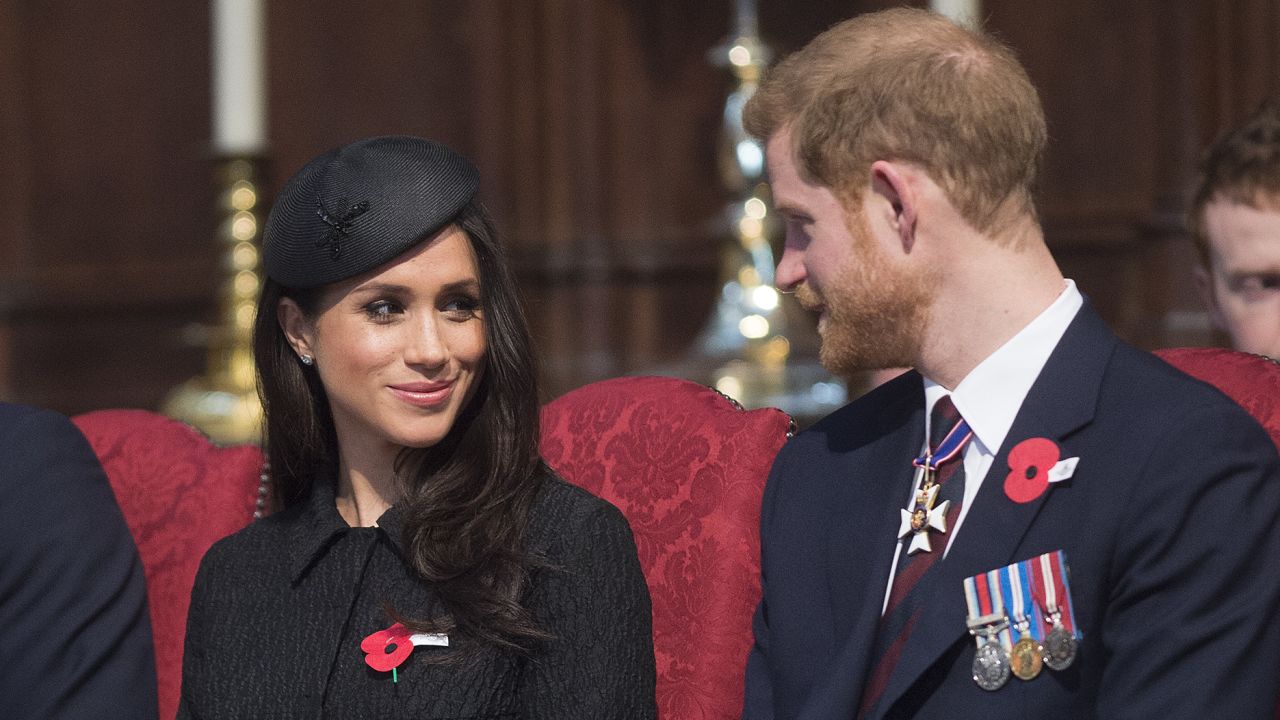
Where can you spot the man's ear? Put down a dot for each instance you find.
(1204, 285)
(297, 329)
(889, 183)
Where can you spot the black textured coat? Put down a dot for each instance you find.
(279, 610)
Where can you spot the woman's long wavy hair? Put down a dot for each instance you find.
(467, 500)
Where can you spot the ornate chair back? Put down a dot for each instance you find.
(687, 467)
(179, 494)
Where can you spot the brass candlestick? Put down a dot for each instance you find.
(745, 351)
(223, 403)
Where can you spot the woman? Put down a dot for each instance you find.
(425, 563)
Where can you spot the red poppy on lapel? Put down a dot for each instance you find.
(1029, 465)
(386, 649)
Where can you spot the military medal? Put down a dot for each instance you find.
(989, 626)
(1059, 646)
(923, 516)
(1053, 594)
(990, 662)
(1027, 656)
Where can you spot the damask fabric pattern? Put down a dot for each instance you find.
(179, 494)
(1252, 381)
(687, 468)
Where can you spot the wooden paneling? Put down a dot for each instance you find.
(594, 125)
(105, 248)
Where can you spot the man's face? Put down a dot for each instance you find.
(871, 308)
(1242, 284)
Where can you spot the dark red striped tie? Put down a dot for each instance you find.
(909, 581)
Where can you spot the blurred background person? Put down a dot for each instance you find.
(1235, 223)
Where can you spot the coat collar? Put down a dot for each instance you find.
(1063, 399)
(318, 525)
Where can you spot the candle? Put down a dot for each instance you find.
(964, 12)
(239, 80)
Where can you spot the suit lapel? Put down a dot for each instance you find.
(1062, 400)
(864, 520)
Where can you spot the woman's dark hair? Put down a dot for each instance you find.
(467, 500)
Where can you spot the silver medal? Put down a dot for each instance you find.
(1059, 648)
(991, 666)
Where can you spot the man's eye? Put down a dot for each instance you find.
(1255, 287)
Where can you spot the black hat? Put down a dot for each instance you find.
(360, 205)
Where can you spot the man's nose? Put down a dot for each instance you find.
(791, 271)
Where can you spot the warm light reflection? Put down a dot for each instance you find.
(246, 283)
(244, 316)
(244, 226)
(750, 227)
(245, 256)
(748, 276)
(753, 327)
(243, 196)
(775, 351)
(739, 56)
(755, 208)
(730, 385)
(765, 298)
(750, 158)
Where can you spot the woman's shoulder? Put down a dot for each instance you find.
(261, 542)
(567, 514)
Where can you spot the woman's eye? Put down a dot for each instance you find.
(462, 307)
(382, 310)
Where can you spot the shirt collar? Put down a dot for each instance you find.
(319, 524)
(991, 394)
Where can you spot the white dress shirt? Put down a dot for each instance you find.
(989, 398)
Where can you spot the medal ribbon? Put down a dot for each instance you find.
(977, 597)
(1016, 582)
(992, 581)
(947, 449)
(1053, 592)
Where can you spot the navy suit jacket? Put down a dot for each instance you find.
(75, 635)
(1170, 525)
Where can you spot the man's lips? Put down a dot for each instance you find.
(423, 394)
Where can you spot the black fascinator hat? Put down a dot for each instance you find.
(358, 206)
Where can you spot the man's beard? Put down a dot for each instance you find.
(876, 314)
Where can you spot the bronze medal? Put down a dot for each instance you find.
(1059, 648)
(1027, 658)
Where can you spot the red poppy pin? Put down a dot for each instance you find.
(386, 650)
(1030, 463)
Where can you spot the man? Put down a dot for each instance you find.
(75, 635)
(1235, 222)
(1091, 521)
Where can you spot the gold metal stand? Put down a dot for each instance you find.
(744, 351)
(223, 403)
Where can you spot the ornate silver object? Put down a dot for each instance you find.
(1059, 648)
(991, 666)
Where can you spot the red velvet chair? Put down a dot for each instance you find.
(179, 494)
(687, 468)
(1253, 381)
(684, 464)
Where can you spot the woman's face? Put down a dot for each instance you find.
(400, 349)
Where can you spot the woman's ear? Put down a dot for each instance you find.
(889, 182)
(297, 328)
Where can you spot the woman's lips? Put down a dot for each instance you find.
(423, 394)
